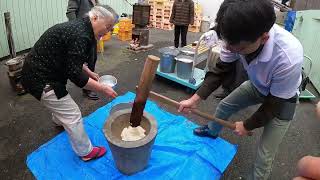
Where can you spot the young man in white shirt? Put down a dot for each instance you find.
(273, 59)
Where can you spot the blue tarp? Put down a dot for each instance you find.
(176, 154)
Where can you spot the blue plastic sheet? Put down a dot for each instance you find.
(176, 154)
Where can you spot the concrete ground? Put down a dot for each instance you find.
(25, 124)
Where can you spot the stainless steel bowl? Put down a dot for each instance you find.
(108, 80)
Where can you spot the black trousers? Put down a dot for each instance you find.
(180, 30)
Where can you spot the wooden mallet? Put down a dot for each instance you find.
(160, 98)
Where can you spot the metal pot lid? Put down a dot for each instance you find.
(185, 59)
(169, 51)
(187, 51)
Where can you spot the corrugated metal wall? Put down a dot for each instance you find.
(30, 18)
(306, 5)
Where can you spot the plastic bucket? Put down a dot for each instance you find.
(167, 63)
(167, 59)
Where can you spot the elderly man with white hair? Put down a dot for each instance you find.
(59, 55)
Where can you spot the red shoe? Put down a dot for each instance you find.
(96, 153)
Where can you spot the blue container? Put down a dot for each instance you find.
(167, 59)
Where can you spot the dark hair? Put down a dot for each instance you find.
(244, 20)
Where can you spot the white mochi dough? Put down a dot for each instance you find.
(132, 133)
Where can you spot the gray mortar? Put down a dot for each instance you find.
(130, 156)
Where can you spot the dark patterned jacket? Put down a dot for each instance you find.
(182, 12)
(58, 56)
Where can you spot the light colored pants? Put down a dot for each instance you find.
(66, 112)
(246, 95)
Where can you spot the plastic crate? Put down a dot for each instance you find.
(106, 37)
(100, 46)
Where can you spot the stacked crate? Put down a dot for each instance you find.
(125, 29)
(161, 11)
(158, 10)
(166, 16)
(152, 19)
(197, 18)
(160, 14)
(100, 44)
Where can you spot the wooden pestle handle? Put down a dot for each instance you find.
(164, 99)
(145, 83)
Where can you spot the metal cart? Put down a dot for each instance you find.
(199, 53)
